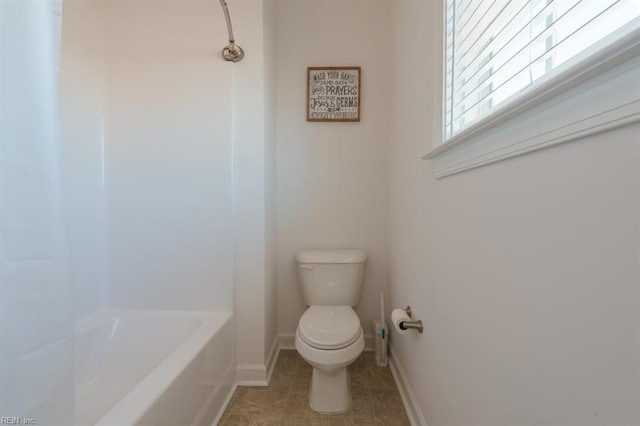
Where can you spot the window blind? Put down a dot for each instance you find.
(497, 50)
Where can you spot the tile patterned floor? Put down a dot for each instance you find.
(285, 402)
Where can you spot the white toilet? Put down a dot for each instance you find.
(329, 334)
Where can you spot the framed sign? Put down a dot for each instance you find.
(333, 94)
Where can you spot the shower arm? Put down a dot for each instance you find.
(232, 52)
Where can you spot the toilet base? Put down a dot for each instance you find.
(330, 393)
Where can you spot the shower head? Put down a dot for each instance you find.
(232, 52)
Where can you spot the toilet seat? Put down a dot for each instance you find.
(332, 360)
(329, 327)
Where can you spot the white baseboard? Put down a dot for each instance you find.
(258, 374)
(288, 341)
(408, 399)
(251, 375)
(224, 405)
(219, 394)
(272, 358)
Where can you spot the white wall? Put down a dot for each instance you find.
(81, 87)
(36, 311)
(526, 272)
(271, 211)
(332, 177)
(168, 155)
(254, 189)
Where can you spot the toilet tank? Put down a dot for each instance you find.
(331, 277)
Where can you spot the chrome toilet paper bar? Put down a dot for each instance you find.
(414, 325)
(405, 324)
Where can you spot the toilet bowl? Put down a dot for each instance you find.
(329, 338)
(329, 335)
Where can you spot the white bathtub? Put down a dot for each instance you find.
(153, 367)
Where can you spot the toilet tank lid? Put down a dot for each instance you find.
(331, 256)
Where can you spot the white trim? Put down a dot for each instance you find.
(224, 405)
(288, 341)
(408, 399)
(251, 375)
(272, 358)
(259, 374)
(604, 87)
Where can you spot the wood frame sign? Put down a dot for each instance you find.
(333, 94)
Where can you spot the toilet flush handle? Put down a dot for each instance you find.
(307, 267)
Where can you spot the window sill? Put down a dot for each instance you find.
(599, 94)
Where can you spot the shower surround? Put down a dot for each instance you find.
(157, 196)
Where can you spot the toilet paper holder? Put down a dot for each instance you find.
(414, 325)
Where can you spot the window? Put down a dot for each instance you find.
(522, 75)
(497, 50)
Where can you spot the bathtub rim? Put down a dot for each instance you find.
(132, 407)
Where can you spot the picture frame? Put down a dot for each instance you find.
(333, 94)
